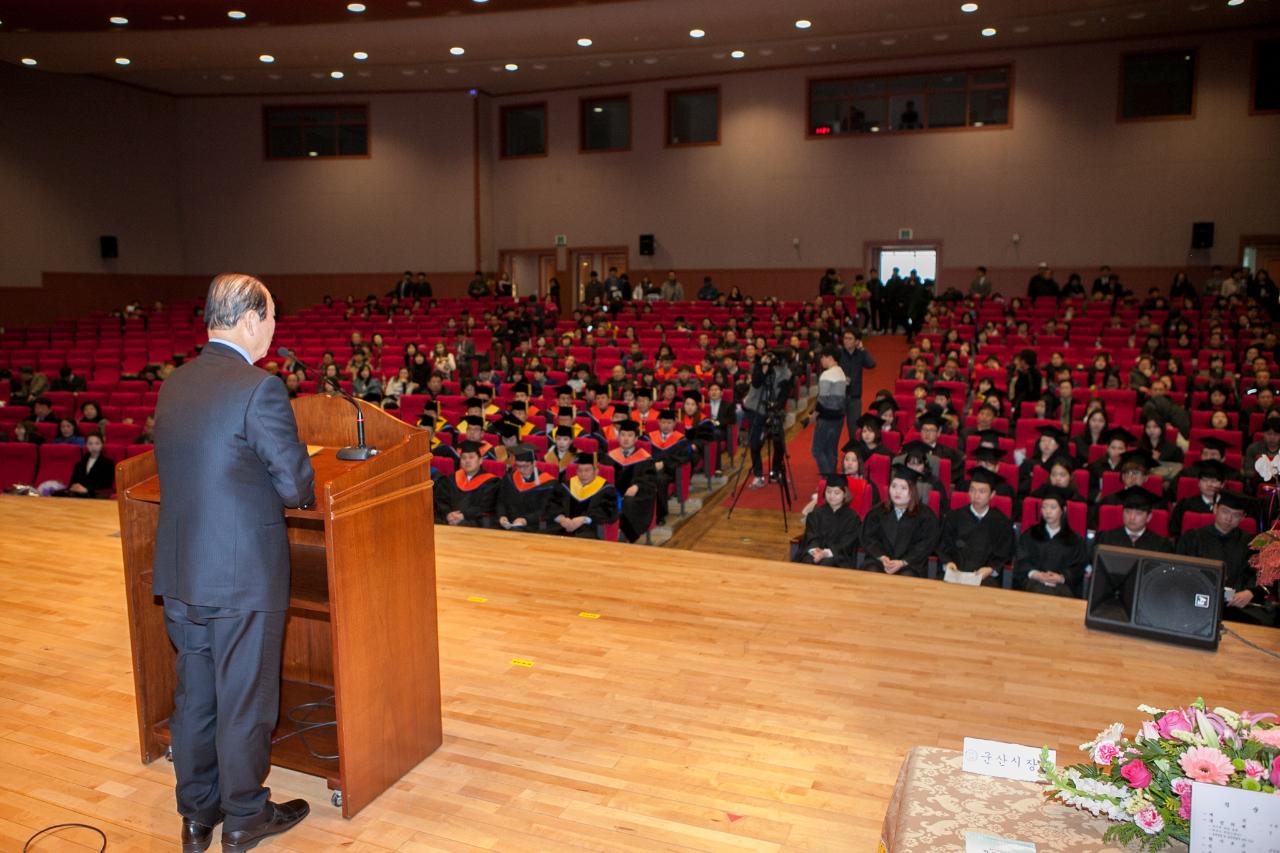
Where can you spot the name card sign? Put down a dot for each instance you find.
(1229, 820)
(1005, 760)
(980, 842)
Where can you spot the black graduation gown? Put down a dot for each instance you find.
(597, 500)
(1114, 499)
(1096, 470)
(912, 538)
(1025, 472)
(1195, 503)
(1233, 550)
(474, 498)
(838, 530)
(672, 452)
(956, 458)
(1066, 553)
(636, 470)
(1119, 537)
(971, 543)
(519, 498)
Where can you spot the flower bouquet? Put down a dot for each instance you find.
(1144, 784)
(1267, 560)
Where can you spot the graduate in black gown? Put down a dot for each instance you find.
(1051, 442)
(670, 449)
(1051, 556)
(832, 531)
(900, 534)
(1210, 477)
(1224, 540)
(988, 459)
(635, 479)
(1138, 504)
(470, 494)
(1135, 465)
(439, 449)
(867, 442)
(918, 456)
(525, 495)
(1119, 440)
(1061, 478)
(585, 503)
(976, 540)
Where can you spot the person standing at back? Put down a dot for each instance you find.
(853, 358)
(230, 461)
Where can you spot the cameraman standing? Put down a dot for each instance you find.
(763, 407)
(830, 412)
(854, 359)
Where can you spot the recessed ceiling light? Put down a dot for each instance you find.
(979, 124)
(875, 128)
(1235, 2)
(988, 32)
(738, 54)
(360, 56)
(457, 51)
(26, 60)
(236, 15)
(122, 60)
(479, 1)
(313, 153)
(584, 42)
(597, 109)
(267, 58)
(803, 24)
(118, 20)
(941, 36)
(356, 7)
(968, 7)
(697, 34)
(511, 66)
(336, 75)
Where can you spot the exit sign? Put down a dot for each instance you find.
(905, 233)
(562, 240)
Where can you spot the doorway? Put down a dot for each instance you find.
(923, 260)
(531, 270)
(586, 261)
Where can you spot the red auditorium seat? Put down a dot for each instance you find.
(443, 464)
(57, 461)
(606, 471)
(138, 449)
(17, 465)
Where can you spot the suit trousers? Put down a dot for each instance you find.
(225, 707)
(852, 411)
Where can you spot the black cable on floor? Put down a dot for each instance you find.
(1227, 630)
(299, 714)
(49, 830)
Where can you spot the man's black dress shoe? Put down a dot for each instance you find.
(196, 837)
(280, 818)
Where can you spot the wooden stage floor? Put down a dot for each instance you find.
(717, 703)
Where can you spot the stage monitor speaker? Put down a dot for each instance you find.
(1202, 235)
(1163, 597)
(646, 244)
(109, 246)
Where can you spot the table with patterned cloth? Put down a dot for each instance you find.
(935, 802)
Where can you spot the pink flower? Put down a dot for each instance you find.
(1253, 769)
(1267, 737)
(1206, 764)
(1275, 771)
(1180, 786)
(1184, 807)
(1174, 721)
(1137, 774)
(1105, 753)
(1149, 819)
(1149, 731)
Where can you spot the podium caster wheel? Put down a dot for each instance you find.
(168, 754)
(336, 799)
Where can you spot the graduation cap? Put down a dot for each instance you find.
(473, 420)
(1271, 424)
(644, 391)
(563, 432)
(982, 475)
(1212, 469)
(473, 402)
(930, 418)
(1056, 493)
(484, 388)
(431, 406)
(521, 388)
(916, 450)
(600, 388)
(628, 425)
(940, 392)
(885, 403)
(566, 412)
(1212, 443)
(564, 389)
(1062, 459)
(868, 422)
(1137, 459)
(667, 415)
(1119, 434)
(618, 404)
(1136, 497)
(584, 458)
(1233, 500)
(507, 430)
(1053, 432)
(693, 395)
(902, 472)
(519, 406)
(469, 447)
(987, 454)
(837, 481)
(990, 436)
(524, 453)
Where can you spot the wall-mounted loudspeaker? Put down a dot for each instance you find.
(646, 244)
(109, 246)
(1158, 596)
(1202, 235)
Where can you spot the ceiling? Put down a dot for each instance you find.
(192, 47)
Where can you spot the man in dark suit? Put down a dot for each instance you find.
(230, 461)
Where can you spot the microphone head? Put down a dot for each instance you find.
(284, 352)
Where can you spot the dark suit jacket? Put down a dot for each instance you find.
(230, 461)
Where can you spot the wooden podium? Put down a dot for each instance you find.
(361, 630)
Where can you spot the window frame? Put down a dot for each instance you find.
(1121, 118)
(583, 101)
(690, 90)
(911, 72)
(268, 109)
(1253, 76)
(502, 130)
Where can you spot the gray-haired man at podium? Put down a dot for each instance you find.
(230, 461)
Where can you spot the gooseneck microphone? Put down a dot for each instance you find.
(360, 452)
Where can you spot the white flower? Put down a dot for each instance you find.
(1113, 733)
(1150, 820)
(1147, 709)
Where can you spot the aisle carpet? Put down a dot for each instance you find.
(889, 352)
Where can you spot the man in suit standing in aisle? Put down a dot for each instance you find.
(230, 461)
(853, 358)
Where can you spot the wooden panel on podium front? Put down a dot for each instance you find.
(361, 633)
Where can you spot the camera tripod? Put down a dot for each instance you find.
(777, 463)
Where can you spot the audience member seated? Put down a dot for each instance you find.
(976, 540)
(832, 531)
(635, 477)
(524, 498)
(91, 413)
(471, 494)
(900, 533)
(1138, 504)
(1051, 557)
(585, 504)
(1210, 477)
(1224, 540)
(94, 475)
(68, 433)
